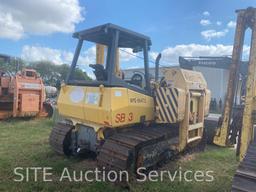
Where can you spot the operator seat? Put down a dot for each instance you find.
(137, 80)
(99, 72)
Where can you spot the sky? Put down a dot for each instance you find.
(42, 30)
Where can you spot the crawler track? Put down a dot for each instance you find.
(136, 148)
(128, 149)
(60, 138)
(245, 176)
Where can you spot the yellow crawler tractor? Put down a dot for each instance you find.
(126, 123)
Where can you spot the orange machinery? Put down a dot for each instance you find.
(21, 95)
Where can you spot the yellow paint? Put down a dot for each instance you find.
(105, 107)
(247, 125)
(118, 72)
(102, 106)
(191, 87)
(100, 54)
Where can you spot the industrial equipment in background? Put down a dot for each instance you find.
(212, 68)
(128, 123)
(238, 125)
(22, 95)
(51, 101)
(217, 68)
(51, 91)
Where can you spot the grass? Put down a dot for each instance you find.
(24, 143)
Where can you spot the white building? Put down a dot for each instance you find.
(216, 78)
(214, 69)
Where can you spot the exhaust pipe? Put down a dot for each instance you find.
(157, 67)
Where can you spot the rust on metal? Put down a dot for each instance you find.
(245, 176)
(126, 151)
(59, 138)
(22, 94)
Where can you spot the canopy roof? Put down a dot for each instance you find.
(103, 34)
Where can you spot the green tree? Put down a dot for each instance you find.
(11, 65)
(52, 73)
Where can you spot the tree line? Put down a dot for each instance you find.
(51, 74)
